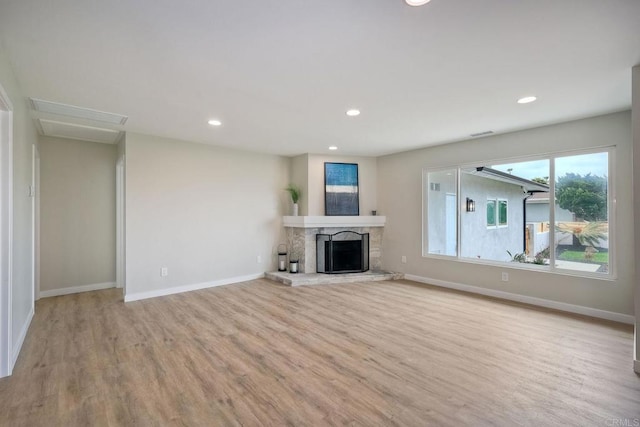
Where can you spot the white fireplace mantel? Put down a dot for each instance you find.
(333, 221)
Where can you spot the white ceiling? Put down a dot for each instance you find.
(280, 74)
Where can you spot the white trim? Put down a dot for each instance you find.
(194, 287)
(76, 289)
(6, 233)
(120, 221)
(562, 306)
(36, 226)
(333, 221)
(21, 338)
(33, 191)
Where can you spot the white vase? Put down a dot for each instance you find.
(295, 209)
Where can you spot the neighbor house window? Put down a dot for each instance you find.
(502, 213)
(549, 213)
(496, 213)
(491, 213)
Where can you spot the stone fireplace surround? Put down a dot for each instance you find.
(301, 236)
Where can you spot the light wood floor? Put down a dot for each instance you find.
(258, 353)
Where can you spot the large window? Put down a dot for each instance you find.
(551, 213)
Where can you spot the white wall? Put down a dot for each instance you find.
(300, 177)
(400, 198)
(367, 181)
(24, 136)
(78, 215)
(205, 213)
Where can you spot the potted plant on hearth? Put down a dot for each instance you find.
(295, 193)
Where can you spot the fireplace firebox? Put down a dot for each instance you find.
(343, 252)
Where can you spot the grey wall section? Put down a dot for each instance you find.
(367, 181)
(205, 213)
(24, 137)
(300, 177)
(539, 212)
(400, 198)
(78, 213)
(307, 172)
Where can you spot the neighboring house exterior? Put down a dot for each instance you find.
(538, 209)
(496, 226)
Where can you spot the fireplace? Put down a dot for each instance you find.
(343, 252)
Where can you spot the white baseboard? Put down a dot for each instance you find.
(23, 334)
(562, 306)
(186, 288)
(76, 289)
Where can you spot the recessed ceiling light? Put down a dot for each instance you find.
(353, 112)
(416, 2)
(333, 148)
(214, 122)
(526, 99)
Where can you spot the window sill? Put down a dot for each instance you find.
(526, 266)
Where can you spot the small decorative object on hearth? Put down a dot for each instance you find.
(282, 257)
(293, 265)
(295, 193)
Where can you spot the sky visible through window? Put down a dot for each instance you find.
(595, 164)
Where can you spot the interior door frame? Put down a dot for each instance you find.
(35, 226)
(120, 224)
(6, 232)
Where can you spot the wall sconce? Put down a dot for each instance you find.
(471, 205)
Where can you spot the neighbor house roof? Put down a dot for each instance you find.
(528, 186)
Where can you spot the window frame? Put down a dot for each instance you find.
(611, 275)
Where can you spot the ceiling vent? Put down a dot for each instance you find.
(83, 133)
(78, 112)
(485, 133)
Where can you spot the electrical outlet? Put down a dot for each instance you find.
(164, 272)
(259, 259)
(505, 277)
(404, 259)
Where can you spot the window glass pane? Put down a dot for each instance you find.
(491, 213)
(498, 229)
(442, 230)
(581, 212)
(502, 212)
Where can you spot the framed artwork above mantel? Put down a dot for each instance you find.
(341, 196)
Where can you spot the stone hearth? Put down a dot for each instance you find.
(301, 279)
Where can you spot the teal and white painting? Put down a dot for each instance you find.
(341, 189)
